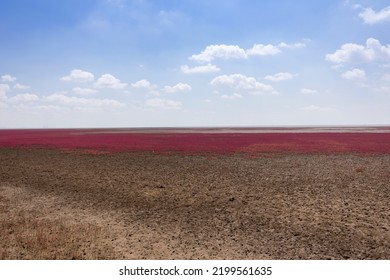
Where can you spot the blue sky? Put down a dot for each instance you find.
(124, 63)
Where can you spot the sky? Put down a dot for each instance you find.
(150, 63)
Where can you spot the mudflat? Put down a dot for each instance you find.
(142, 205)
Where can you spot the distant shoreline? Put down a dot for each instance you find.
(244, 129)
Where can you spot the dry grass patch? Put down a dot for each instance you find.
(24, 237)
(27, 232)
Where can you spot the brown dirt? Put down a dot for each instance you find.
(67, 205)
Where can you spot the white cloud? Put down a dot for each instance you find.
(24, 98)
(163, 103)
(84, 91)
(3, 90)
(8, 78)
(241, 82)
(219, 51)
(154, 93)
(4, 87)
(232, 96)
(80, 76)
(263, 50)
(61, 99)
(354, 74)
(354, 53)
(3, 97)
(19, 86)
(109, 81)
(177, 88)
(352, 5)
(144, 84)
(370, 16)
(212, 52)
(308, 91)
(209, 68)
(282, 76)
(292, 46)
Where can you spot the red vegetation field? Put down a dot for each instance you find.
(193, 141)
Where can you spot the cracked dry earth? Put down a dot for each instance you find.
(72, 205)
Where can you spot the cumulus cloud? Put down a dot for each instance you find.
(232, 96)
(163, 103)
(282, 76)
(144, 84)
(109, 81)
(80, 76)
(209, 68)
(354, 74)
(292, 46)
(263, 50)
(62, 99)
(219, 51)
(308, 91)
(23, 98)
(177, 88)
(84, 91)
(370, 16)
(242, 82)
(8, 78)
(212, 52)
(354, 53)
(19, 86)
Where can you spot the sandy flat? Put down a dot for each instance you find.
(333, 129)
(151, 206)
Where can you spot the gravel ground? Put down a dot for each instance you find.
(152, 206)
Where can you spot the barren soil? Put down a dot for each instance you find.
(73, 205)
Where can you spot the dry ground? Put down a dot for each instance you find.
(72, 205)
